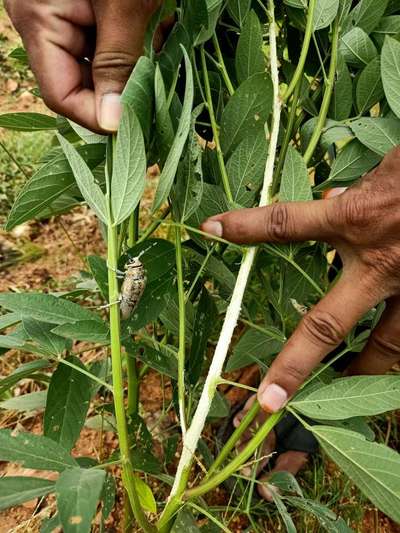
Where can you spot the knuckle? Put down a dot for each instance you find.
(323, 327)
(293, 373)
(111, 65)
(355, 211)
(277, 222)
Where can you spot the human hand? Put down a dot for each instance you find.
(363, 225)
(59, 34)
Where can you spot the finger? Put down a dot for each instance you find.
(383, 347)
(281, 222)
(54, 43)
(121, 28)
(320, 331)
(61, 83)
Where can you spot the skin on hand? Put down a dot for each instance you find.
(82, 53)
(363, 225)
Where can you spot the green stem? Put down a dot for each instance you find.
(234, 438)
(14, 160)
(298, 74)
(154, 225)
(287, 138)
(326, 102)
(133, 386)
(238, 461)
(128, 477)
(200, 272)
(182, 328)
(220, 155)
(221, 65)
(133, 228)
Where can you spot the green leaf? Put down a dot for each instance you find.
(205, 320)
(369, 89)
(78, 491)
(391, 73)
(295, 183)
(374, 468)
(67, 404)
(19, 489)
(353, 161)
(20, 55)
(172, 53)
(188, 191)
(164, 128)
(238, 10)
(129, 167)
(84, 330)
(145, 495)
(24, 371)
(286, 518)
(387, 26)
(139, 93)
(342, 97)
(169, 171)
(357, 48)
(98, 267)
(41, 333)
(86, 135)
(108, 495)
(161, 360)
(378, 134)
(33, 401)
(325, 13)
(27, 122)
(85, 180)
(185, 522)
(249, 57)
(328, 520)
(349, 397)
(367, 14)
(246, 166)
(49, 183)
(34, 451)
(246, 110)
(46, 308)
(254, 347)
(10, 319)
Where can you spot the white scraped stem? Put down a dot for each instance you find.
(193, 434)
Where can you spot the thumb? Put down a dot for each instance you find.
(121, 29)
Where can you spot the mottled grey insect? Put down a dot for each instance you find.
(132, 287)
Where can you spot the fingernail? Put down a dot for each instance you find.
(213, 227)
(110, 111)
(273, 398)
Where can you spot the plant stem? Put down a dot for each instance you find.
(117, 373)
(193, 434)
(131, 366)
(234, 438)
(287, 138)
(239, 460)
(182, 329)
(154, 225)
(210, 107)
(298, 74)
(326, 102)
(221, 65)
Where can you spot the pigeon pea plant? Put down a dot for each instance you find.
(247, 103)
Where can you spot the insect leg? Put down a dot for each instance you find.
(110, 304)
